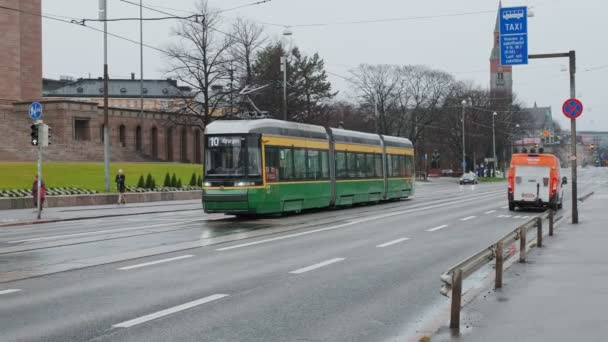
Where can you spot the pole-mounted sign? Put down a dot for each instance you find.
(572, 108)
(513, 35)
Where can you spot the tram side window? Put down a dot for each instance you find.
(272, 164)
(324, 165)
(396, 162)
(409, 166)
(299, 158)
(378, 165)
(351, 164)
(341, 165)
(369, 166)
(313, 164)
(286, 164)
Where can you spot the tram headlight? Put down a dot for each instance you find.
(207, 184)
(243, 183)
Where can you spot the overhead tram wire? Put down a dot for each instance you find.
(78, 23)
(374, 21)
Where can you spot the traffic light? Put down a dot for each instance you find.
(48, 135)
(34, 134)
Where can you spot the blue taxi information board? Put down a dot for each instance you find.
(513, 35)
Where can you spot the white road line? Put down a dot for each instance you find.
(9, 291)
(517, 216)
(126, 268)
(525, 217)
(468, 218)
(169, 311)
(489, 212)
(437, 228)
(371, 218)
(93, 233)
(315, 266)
(507, 207)
(386, 244)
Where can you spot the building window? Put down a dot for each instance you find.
(81, 129)
(80, 90)
(123, 90)
(138, 139)
(501, 76)
(122, 136)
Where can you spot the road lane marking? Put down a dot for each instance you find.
(507, 207)
(94, 232)
(504, 216)
(437, 228)
(169, 311)
(525, 217)
(155, 262)
(315, 266)
(408, 211)
(517, 216)
(386, 244)
(468, 218)
(2, 292)
(489, 212)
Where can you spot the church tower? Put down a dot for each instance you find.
(501, 77)
(20, 51)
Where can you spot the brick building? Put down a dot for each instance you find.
(72, 108)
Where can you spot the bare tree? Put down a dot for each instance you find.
(200, 60)
(378, 87)
(248, 39)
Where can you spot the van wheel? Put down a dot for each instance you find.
(511, 207)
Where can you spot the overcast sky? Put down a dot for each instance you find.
(457, 44)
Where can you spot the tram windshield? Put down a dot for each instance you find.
(232, 156)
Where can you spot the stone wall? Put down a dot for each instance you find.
(100, 199)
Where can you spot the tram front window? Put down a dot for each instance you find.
(232, 157)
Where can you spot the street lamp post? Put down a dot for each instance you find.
(103, 15)
(464, 103)
(494, 145)
(287, 32)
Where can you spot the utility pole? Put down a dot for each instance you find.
(103, 14)
(141, 58)
(464, 163)
(284, 69)
(494, 144)
(573, 163)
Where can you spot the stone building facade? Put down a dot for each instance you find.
(77, 128)
(77, 121)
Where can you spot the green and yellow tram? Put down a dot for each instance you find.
(271, 166)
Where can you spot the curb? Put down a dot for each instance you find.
(41, 221)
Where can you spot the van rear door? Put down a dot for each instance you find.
(532, 183)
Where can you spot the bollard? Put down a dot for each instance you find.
(539, 232)
(456, 300)
(522, 243)
(499, 261)
(551, 218)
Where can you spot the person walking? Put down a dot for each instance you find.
(120, 185)
(35, 192)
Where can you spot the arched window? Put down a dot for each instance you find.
(184, 145)
(154, 138)
(138, 139)
(122, 136)
(197, 146)
(169, 136)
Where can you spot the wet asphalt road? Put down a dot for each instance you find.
(368, 273)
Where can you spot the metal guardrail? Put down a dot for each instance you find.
(453, 278)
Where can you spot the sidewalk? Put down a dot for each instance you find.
(28, 216)
(559, 295)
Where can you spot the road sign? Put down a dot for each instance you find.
(572, 108)
(35, 110)
(513, 35)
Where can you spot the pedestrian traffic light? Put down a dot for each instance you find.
(43, 135)
(34, 135)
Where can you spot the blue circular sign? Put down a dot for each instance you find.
(572, 108)
(35, 110)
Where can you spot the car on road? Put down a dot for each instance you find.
(468, 178)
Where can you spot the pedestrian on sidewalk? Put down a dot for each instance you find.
(35, 192)
(120, 185)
